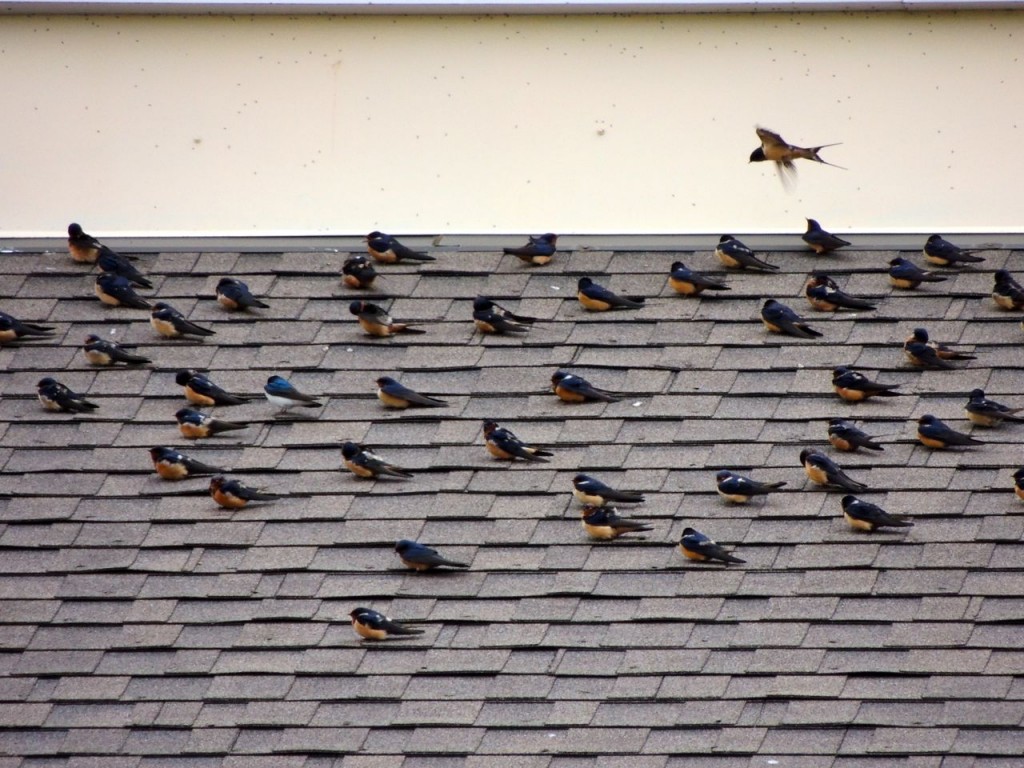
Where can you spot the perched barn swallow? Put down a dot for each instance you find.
(358, 272)
(853, 386)
(575, 389)
(604, 523)
(1007, 292)
(864, 516)
(599, 299)
(934, 433)
(503, 444)
(904, 273)
(83, 247)
(735, 254)
(102, 352)
(779, 318)
(363, 463)
(420, 557)
(194, 424)
(689, 283)
(823, 471)
(54, 396)
(376, 322)
(538, 251)
(1018, 483)
(201, 391)
(115, 263)
(592, 491)
(844, 436)
(823, 293)
(696, 546)
(281, 393)
(779, 151)
(116, 291)
(169, 322)
(234, 494)
(395, 395)
(989, 413)
(12, 329)
(821, 241)
(175, 465)
(942, 252)
(233, 294)
(490, 317)
(371, 625)
(924, 353)
(387, 250)
(740, 489)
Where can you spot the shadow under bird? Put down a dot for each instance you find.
(575, 389)
(396, 395)
(824, 294)
(372, 625)
(938, 250)
(823, 471)
(590, 490)
(234, 494)
(377, 322)
(538, 251)
(686, 282)
(362, 462)
(779, 151)
(739, 489)
(13, 329)
(864, 516)
(200, 390)
(820, 240)
(358, 272)
(195, 425)
(116, 291)
(905, 274)
(733, 253)
(989, 413)
(490, 317)
(54, 396)
(281, 394)
(169, 322)
(597, 298)
(779, 318)
(935, 433)
(503, 444)
(845, 437)
(234, 295)
(853, 386)
(388, 250)
(102, 352)
(605, 523)
(114, 263)
(172, 464)
(694, 545)
(420, 557)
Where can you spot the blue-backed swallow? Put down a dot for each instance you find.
(823, 471)
(1018, 483)
(575, 389)
(739, 489)
(934, 433)
(821, 241)
(172, 464)
(782, 153)
(490, 317)
(169, 322)
(905, 274)
(779, 318)
(358, 272)
(845, 437)
(234, 494)
(84, 248)
(54, 396)
(538, 251)
(395, 395)
(420, 557)
(116, 291)
(989, 413)
(823, 293)
(279, 392)
(853, 386)
(233, 294)
(371, 625)
(938, 250)
(696, 546)
(115, 263)
(731, 252)
(1007, 292)
(864, 516)
(689, 283)
(102, 352)
(387, 250)
(925, 353)
(201, 391)
(195, 424)
(503, 444)
(362, 462)
(12, 329)
(597, 298)
(377, 322)
(605, 523)
(590, 490)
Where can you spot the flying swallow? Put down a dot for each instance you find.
(823, 293)
(281, 393)
(696, 546)
(538, 251)
(779, 318)
(387, 250)
(376, 322)
(1018, 484)
(735, 254)
(592, 491)
(853, 386)
(358, 272)
(823, 471)
(83, 247)
(821, 242)
(102, 352)
(503, 444)
(924, 353)
(54, 396)
(233, 294)
(194, 424)
(234, 494)
(395, 395)
(690, 283)
(905, 274)
(175, 465)
(864, 516)
(371, 625)
(740, 489)
(420, 557)
(935, 433)
(364, 463)
(11, 329)
(844, 436)
(169, 322)
(116, 291)
(989, 413)
(575, 389)
(490, 317)
(115, 263)
(605, 523)
(599, 299)
(201, 391)
(779, 151)
(942, 252)
(1007, 292)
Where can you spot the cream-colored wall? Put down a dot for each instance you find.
(600, 124)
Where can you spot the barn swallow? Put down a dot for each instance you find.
(234, 494)
(604, 523)
(740, 489)
(696, 546)
(989, 413)
(823, 471)
(592, 491)
(387, 250)
(1007, 292)
(371, 625)
(169, 322)
(575, 389)
(194, 424)
(175, 465)
(779, 151)
(490, 317)
(779, 318)
(364, 463)
(735, 254)
(233, 294)
(853, 386)
(599, 299)
(376, 322)
(538, 251)
(115, 263)
(54, 396)
(11, 329)
(942, 252)
(503, 444)
(358, 272)
(924, 353)
(420, 557)
(116, 291)
(1018, 484)
(821, 242)
(281, 393)
(935, 433)
(864, 516)
(823, 293)
(844, 436)
(690, 283)
(904, 273)
(84, 248)
(201, 391)
(395, 395)
(102, 352)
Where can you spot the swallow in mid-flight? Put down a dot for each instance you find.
(538, 250)
(938, 250)
(169, 322)
(377, 322)
(279, 392)
(102, 352)
(395, 395)
(83, 247)
(234, 494)
(12, 329)
(202, 391)
(823, 471)
(597, 298)
(934, 433)
(689, 283)
(115, 263)
(117, 291)
(844, 436)
(358, 272)
(54, 396)
(1018, 483)
(853, 386)
(387, 250)
(195, 424)
(364, 463)
(233, 294)
(371, 625)
(779, 151)
(933, 355)
(172, 464)
(420, 557)
(989, 413)
(823, 293)
(575, 389)
(490, 317)
(605, 523)
(592, 491)
(739, 489)
(821, 242)
(731, 252)
(865, 516)
(503, 444)
(696, 546)
(1007, 292)
(779, 318)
